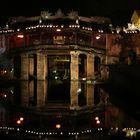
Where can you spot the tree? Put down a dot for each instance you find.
(5, 61)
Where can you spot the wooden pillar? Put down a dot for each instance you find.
(46, 91)
(74, 69)
(41, 93)
(46, 66)
(90, 66)
(24, 93)
(74, 66)
(40, 67)
(24, 67)
(90, 95)
(31, 93)
(31, 65)
(74, 95)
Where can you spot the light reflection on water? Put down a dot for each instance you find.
(44, 104)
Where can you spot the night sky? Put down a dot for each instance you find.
(120, 11)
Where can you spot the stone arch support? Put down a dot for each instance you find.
(90, 66)
(24, 67)
(74, 65)
(41, 67)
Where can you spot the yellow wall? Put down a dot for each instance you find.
(136, 18)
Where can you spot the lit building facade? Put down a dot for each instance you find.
(135, 19)
(64, 50)
(59, 59)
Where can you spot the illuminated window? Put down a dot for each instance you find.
(58, 39)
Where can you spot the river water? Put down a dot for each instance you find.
(46, 110)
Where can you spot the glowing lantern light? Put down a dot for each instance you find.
(98, 37)
(58, 126)
(21, 118)
(98, 122)
(58, 30)
(18, 122)
(20, 36)
(96, 118)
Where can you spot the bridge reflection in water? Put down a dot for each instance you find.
(72, 105)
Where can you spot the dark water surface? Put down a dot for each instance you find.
(45, 105)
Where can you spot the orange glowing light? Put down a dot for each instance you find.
(96, 118)
(58, 126)
(18, 121)
(97, 122)
(20, 36)
(21, 118)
